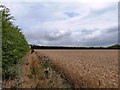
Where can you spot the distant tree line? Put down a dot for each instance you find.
(116, 46)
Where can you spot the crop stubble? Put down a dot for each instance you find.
(87, 68)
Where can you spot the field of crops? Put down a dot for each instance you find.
(86, 68)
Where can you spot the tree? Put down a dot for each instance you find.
(14, 44)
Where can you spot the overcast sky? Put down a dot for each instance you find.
(67, 23)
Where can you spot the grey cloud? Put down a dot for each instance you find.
(104, 10)
(107, 37)
(96, 13)
(112, 29)
(54, 36)
(57, 36)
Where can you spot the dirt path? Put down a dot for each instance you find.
(35, 71)
(22, 79)
(38, 73)
(26, 71)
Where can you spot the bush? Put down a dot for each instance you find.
(14, 44)
(10, 73)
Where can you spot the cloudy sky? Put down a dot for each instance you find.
(67, 23)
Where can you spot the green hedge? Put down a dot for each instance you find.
(14, 44)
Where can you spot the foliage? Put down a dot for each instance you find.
(14, 44)
(115, 46)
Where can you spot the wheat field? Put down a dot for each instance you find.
(86, 68)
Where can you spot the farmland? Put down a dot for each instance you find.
(25, 64)
(86, 68)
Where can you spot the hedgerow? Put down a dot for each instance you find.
(14, 44)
